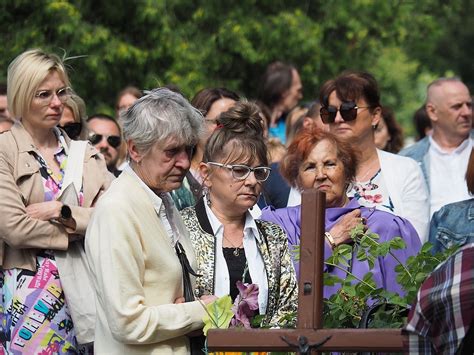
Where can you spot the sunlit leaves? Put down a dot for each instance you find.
(218, 314)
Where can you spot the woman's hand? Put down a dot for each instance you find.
(44, 211)
(206, 299)
(179, 300)
(341, 230)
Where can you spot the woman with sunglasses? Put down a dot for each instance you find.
(36, 228)
(230, 244)
(351, 107)
(73, 117)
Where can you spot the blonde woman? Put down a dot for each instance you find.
(34, 224)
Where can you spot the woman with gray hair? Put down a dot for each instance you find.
(137, 246)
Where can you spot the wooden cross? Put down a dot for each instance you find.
(309, 328)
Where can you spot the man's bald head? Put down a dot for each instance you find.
(449, 106)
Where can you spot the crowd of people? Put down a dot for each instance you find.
(116, 231)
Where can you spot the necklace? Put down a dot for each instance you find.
(236, 251)
(368, 170)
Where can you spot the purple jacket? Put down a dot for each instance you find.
(385, 224)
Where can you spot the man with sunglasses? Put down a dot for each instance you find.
(105, 135)
(444, 155)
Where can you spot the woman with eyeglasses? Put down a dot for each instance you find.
(230, 244)
(351, 107)
(73, 117)
(38, 230)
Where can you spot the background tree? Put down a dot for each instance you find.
(195, 44)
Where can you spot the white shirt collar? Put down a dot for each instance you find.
(459, 149)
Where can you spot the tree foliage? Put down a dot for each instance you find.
(197, 44)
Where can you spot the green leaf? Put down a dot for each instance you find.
(397, 243)
(218, 314)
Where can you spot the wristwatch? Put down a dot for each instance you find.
(65, 212)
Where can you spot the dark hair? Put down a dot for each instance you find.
(422, 121)
(395, 144)
(275, 81)
(470, 173)
(132, 90)
(313, 110)
(303, 144)
(204, 99)
(351, 86)
(105, 117)
(3, 89)
(239, 135)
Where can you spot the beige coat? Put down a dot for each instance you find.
(21, 184)
(137, 276)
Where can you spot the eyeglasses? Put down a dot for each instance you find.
(46, 96)
(73, 129)
(241, 172)
(95, 138)
(348, 111)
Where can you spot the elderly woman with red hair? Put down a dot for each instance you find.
(319, 160)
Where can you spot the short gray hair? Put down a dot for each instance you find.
(159, 115)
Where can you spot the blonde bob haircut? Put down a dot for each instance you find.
(25, 74)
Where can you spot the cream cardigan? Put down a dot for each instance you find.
(137, 276)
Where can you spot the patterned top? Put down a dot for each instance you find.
(372, 193)
(282, 284)
(444, 310)
(53, 183)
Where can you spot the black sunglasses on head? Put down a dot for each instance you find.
(73, 130)
(114, 141)
(348, 111)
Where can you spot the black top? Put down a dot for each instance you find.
(236, 265)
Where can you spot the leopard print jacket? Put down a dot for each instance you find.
(282, 284)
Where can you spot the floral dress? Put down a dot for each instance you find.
(372, 193)
(34, 317)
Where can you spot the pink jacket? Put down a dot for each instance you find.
(21, 185)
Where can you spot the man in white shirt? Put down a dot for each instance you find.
(443, 157)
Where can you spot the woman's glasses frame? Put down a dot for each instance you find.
(46, 96)
(348, 111)
(242, 172)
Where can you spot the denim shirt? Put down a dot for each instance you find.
(452, 225)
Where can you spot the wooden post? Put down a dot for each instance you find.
(311, 260)
(310, 304)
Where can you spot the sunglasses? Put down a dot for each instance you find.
(348, 111)
(242, 172)
(114, 141)
(73, 130)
